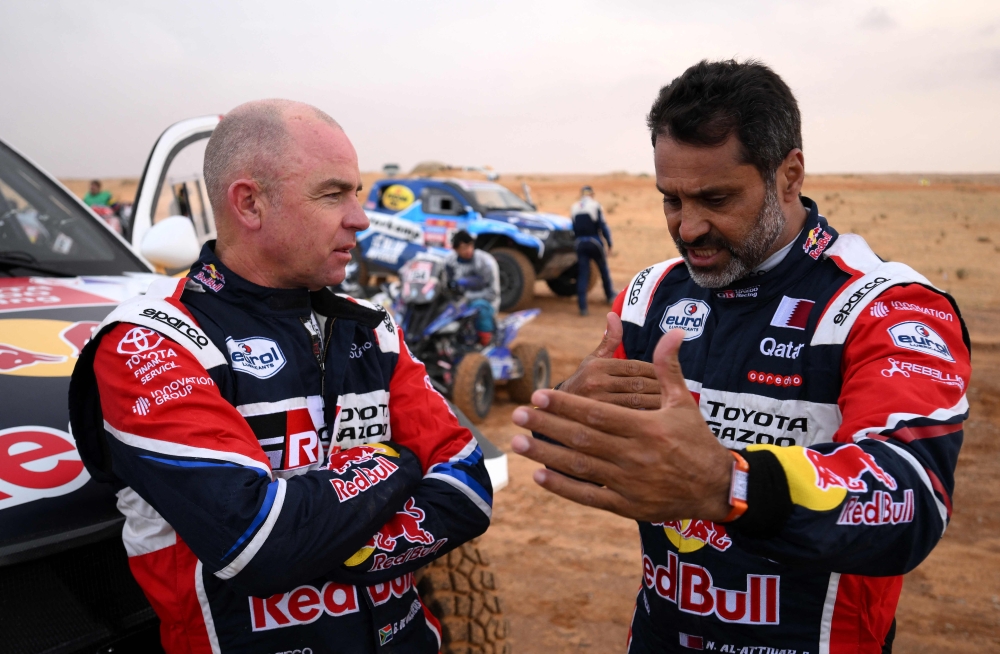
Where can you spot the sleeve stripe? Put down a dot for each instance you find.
(198, 464)
(476, 493)
(187, 451)
(257, 542)
(265, 509)
(949, 415)
(924, 477)
(910, 434)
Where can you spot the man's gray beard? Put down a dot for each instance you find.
(744, 256)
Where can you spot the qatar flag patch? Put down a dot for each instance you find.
(792, 313)
(691, 642)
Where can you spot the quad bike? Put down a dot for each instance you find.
(440, 330)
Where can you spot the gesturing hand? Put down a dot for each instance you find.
(651, 466)
(623, 382)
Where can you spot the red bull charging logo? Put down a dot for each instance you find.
(42, 348)
(843, 468)
(691, 535)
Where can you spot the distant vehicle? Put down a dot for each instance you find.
(408, 215)
(439, 328)
(65, 583)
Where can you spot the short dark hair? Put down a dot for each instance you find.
(95, 181)
(713, 100)
(461, 237)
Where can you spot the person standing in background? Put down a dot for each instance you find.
(589, 227)
(476, 274)
(97, 197)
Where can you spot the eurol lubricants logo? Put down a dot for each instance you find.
(919, 337)
(689, 315)
(38, 462)
(260, 357)
(42, 348)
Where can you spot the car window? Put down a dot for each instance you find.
(498, 198)
(442, 203)
(41, 223)
(183, 191)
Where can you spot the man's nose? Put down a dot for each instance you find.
(692, 225)
(356, 219)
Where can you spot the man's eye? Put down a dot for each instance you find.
(716, 201)
(672, 201)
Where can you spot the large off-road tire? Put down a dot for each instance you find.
(517, 278)
(537, 371)
(460, 590)
(472, 389)
(565, 284)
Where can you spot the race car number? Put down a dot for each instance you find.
(38, 462)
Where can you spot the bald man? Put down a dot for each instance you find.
(282, 463)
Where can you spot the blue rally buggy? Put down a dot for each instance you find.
(411, 215)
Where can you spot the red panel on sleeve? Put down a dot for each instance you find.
(419, 417)
(154, 388)
(893, 363)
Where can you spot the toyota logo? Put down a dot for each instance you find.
(138, 340)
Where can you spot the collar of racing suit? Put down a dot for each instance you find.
(230, 287)
(816, 237)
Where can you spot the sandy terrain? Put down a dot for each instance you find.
(569, 574)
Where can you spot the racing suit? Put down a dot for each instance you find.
(842, 379)
(589, 226)
(282, 462)
(479, 279)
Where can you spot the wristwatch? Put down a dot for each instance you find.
(738, 485)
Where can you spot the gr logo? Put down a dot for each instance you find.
(689, 315)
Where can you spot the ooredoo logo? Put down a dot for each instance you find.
(139, 340)
(689, 315)
(38, 462)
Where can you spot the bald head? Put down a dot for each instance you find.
(249, 143)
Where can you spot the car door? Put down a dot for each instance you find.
(173, 184)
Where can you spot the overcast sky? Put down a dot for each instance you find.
(522, 85)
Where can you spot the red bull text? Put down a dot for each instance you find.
(303, 605)
(691, 588)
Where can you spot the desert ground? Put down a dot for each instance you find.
(569, 574)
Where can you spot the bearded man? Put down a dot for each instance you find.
(795, 457)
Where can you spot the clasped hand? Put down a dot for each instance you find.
(655, 465)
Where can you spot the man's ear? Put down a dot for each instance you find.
(791, 175)
(246, 203)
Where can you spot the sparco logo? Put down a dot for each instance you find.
(186, 330)
(640, 279)
(857, 296)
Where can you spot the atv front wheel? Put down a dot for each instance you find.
(473, 388)
(537, 371)
(460, 591)
(565, 284)
(517, 278)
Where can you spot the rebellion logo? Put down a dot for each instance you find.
(38, 462)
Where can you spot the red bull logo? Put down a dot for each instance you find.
(693, 590)
(13, 358)
(38, 462)
(341, 461)
(704, 532)
(364, 478)
(843, 468)
(816, 241)
(303, 605)
(42, 348)
(405, 525)
(211, 277)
